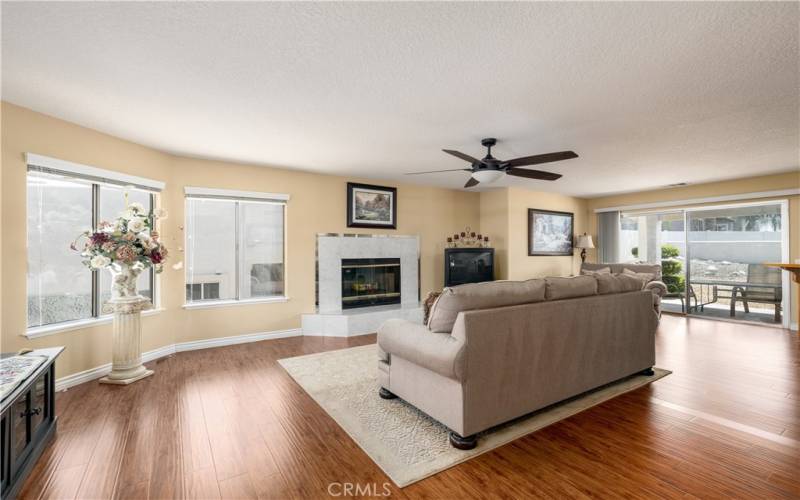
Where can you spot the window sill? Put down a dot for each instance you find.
(226, 303)
(44, 331)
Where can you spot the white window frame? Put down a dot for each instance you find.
(98, 177)
(191, 192)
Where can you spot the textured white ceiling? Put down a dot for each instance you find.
(647, 94)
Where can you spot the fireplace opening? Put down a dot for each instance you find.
(370, 282)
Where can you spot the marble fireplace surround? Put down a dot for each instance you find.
(332, 248)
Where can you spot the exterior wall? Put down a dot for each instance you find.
(317, 205)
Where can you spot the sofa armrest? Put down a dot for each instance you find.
(438, 352)
(657, 287)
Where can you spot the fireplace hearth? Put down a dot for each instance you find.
(370, 282)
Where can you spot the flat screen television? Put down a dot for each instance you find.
(468, 265)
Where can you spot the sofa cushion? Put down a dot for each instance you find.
(617, 283)
(486, 295)
(592, 272)
(575, 286)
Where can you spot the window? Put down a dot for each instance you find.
(234, 245)
(60, 205)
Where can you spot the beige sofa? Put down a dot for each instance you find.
(495, 351)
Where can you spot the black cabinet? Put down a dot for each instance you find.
(468, 265)
(27, 423)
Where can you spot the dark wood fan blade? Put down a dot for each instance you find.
(533, 174)
(537, 159)
(437, 171)
(459, 154)
(471, 182)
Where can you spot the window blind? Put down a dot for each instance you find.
(54, 166)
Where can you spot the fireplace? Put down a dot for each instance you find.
(370, 282)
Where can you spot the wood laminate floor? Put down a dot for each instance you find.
(230, 423)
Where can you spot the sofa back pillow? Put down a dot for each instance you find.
(618, 283)
(486, 295)
(575, 286)
(592, 272)
(646, 277)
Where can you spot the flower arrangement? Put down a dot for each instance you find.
(126, 246)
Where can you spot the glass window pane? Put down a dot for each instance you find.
(261, 249)
(211, 246)
(728, 247)
(112, 203)
(59, 285)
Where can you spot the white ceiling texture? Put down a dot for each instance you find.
(648, 94)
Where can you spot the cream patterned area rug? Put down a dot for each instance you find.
(404, 442)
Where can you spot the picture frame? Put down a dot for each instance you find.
(550, 233)
(371, 206)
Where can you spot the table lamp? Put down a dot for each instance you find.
(584, 242)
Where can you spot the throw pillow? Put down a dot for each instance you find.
(602, 270)
(646, 277)
(428, 304)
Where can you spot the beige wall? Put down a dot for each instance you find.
(504, 212)
(522, 266)
(790, 180)
(317, 205)
(494, 223)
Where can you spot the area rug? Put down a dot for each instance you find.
(404, 442)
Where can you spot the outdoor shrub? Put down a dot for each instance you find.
(670, 267)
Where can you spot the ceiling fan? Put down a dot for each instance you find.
(490, 169)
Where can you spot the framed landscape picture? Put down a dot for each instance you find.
(371, 206)
(549, 233)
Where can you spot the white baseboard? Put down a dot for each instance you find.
(68, 381)
(64, 383)
(793, 326)
(237, 339)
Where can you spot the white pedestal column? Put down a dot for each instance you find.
(127, 364)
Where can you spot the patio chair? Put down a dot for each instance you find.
(759, 274)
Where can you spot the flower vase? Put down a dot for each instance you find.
(127, 306)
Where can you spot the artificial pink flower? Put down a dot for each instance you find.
(126, 254)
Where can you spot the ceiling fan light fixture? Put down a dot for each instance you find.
(487, 176)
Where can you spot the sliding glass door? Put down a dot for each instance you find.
(712, 258)
(658, 238)
(727, 249)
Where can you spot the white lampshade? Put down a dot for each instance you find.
(487, 176)
(585, 241)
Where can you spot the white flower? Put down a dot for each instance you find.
(136, 225)
(160, 213)
(99, 262)
(136, 207)
(127, 214)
